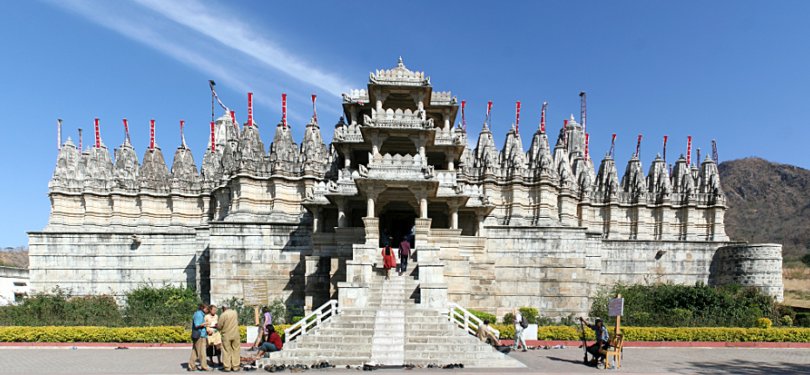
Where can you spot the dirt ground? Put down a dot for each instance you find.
(796, 279)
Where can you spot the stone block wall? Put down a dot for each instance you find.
(755, 265)
(112, 263)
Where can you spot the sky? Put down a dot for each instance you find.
(734, 71)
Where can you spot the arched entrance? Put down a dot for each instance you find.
(397, 220)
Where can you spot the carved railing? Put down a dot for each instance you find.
(450, 138)
(348, 134)
(442, 98)
(467, 321)
(398, 167)
(398, 119)
(322, 314)
(446, 178)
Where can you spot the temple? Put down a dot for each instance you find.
(492, 228)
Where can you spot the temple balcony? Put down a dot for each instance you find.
(450, 138)
(398, 119)
(347, 133)
(397, 168)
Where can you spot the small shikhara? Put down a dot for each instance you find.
(491, 229)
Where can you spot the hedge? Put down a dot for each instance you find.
(725, 334)
(164, 334)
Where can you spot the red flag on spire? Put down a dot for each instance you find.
(612, 144)
(80, 140)
(689, 150)
(517, 116)
(250, 109)
(638, 145)
(284, 109)
(587, 146)
(489, 112)
(314, 111)
(463, 117)
(152, 134)
(665, 147)
(98, 133)
(543, 117)
(182, 135)
(126, 129)
(213, 137)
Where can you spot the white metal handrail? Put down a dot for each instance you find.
(467, 321)
(311, 321)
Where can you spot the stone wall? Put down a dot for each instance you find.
(755, 265)
(90, 263)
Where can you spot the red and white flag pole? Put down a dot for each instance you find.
(314, 110)
(98, 133)
(489, 113)
(284, 109)
(689, 151)
(126, 130)
(213, 137)
(152, 134)
(638, 145)
(587, 146)
(463, 116)
(665, 148)
(250, 109)
(517, 116)
(543, 117)
(612, 144)
(182, 135)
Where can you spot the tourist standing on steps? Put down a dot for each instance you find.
(214, 337)
(404, 254)
(228, 325)
(389, 259)
(199, 340)
(520, 324)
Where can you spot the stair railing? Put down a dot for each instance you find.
(320, 315)
(467, 321)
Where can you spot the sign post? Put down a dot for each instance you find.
(616, 308)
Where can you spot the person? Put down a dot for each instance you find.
(267, 320)
(198, 339)
(404, 254)
(228, 325)
(598, 348)
(519, 322)
(272, 344)
(389, 260)
(214, 336)
(485, 335)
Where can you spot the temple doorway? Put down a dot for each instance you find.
(397, 221)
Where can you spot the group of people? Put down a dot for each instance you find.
(218, 336)
(389, 256)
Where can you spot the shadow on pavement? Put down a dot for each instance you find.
(743, 367)
(567, 360)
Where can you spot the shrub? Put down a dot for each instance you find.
(278, 310)
(484, 316)
(668, 305)
(764, 323)
(59, 308)
(160, 306)
(806, 259)
(530, 313)
(720, 334)
(786, 321)
(509, 318)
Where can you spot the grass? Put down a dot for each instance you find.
(796, 278)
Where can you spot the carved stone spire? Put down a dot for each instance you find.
(251, 151)
(314, 155)
(126, 168)
(562, 166)
(710, 182)
(658, 180)
(154, 173)
(512, 157)
(184, 171)
(682, 181)
(633, 181)
(539, 156)
(284, 152)
(486, 154)
(98, 172)
(607, 180)
(66, 175)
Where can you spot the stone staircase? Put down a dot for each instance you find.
(393, 330)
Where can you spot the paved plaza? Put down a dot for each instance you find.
(554, 361)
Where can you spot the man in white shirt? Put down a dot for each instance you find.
(519, 323)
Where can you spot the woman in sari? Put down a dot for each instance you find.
(214, 337)
(389, 259)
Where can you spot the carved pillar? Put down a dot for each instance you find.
(451, 160)
(316, 219)
(353, 111)
(371, 195)
(446, 116)
(347, 156)
(419, 141)
(341, 206)
(453, 214)
(377, 140)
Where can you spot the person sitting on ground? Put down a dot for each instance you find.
(485, 334)
(599, 348)
(273, 343)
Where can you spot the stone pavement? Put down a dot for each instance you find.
(554, 361)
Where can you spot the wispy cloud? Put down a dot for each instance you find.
(238, 58)
(248, 41)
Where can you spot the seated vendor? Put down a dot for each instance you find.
(272, 343)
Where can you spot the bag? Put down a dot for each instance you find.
(195, 332)
(523, 322)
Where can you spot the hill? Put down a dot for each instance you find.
(768, 202)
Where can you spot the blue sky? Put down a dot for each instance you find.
(735, 71)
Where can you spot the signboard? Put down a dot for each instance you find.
(616, 307)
